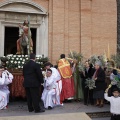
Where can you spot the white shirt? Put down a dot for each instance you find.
(114, 103)
(87, 69)
(50, 82)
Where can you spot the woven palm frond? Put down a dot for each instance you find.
(81, 67)
(103, 60)
(90, 83)
(110, 64)
(80, 57)
(116, 59)
(118, 84)
(116, 80)
(75, 55)
(93, 59)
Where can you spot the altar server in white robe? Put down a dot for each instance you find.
(5, 79)
(51, 91)
(3, 95)
(3, 100)
(55, 72)
(57, 78)
(8, 80)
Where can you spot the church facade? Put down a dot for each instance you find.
(61, 26)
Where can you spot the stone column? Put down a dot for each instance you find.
(46, 37)
(42, 38)
(2, 29)
(37, 41)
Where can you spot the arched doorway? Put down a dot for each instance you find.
(12, 14)
(11, 36)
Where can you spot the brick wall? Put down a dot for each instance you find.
(85, 26)
(64, 24)
(99, 26)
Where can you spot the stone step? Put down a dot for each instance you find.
(65, 116)
(99, 114)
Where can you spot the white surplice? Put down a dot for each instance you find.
(51, 92)
(57, 77)
(3, 95)
(5, 79)
(8, 77)
(55, 74)
(3, 100)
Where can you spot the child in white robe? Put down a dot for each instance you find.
(51, 91)
(57, 80)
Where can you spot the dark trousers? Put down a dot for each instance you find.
(88, 96)
(115, 117)
(33, 98)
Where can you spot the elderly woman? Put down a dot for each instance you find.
(99, 77)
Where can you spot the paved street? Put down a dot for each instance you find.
(101, 118)
(20, 109)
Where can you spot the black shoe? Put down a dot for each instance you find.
(101, 105)
(97, 105)
(85, 103)
(39, 111)
(92, 103)
(31, 110)
(42, 110)
(49, 108)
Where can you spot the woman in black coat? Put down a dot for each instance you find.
(99, 77)
(88, 94)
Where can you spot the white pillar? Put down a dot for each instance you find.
(2, 29)
(46, 38)
(38, 41)
(42, 38)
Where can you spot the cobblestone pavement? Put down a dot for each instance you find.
(20, 109)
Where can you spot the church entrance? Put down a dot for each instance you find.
(11, 37)
(12, 14)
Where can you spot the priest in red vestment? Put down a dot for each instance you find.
(67, 79)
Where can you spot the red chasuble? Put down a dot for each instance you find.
(64, 68)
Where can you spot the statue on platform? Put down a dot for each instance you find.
(24, 43)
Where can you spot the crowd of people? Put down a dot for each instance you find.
(58, 83)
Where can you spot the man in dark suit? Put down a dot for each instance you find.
(32, 80)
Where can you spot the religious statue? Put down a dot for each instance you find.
(24, 43)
